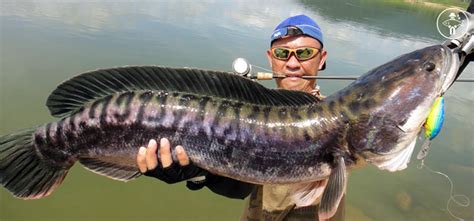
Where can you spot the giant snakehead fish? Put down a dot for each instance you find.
(228, 125)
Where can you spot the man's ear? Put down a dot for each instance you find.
(323, 58)
(269, 57)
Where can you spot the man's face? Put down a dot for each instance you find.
(293, 68)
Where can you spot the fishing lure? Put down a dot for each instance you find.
(432, 126)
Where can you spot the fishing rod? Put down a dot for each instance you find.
(243, 68)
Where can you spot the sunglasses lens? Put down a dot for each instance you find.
(281, 53)
(305, 53)
(302, 54)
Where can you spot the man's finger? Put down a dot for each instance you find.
(183, 158)
(165, 153)
(151, 158)
(141, 162)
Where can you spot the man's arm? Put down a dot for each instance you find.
(173, 172)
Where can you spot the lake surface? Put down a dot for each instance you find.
(42, 43)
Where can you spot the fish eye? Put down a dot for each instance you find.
(429, 66)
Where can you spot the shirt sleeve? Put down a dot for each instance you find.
(223, 186)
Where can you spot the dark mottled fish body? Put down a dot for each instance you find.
(229, 125)
(234, 138)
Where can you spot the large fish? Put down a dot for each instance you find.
(229, 125)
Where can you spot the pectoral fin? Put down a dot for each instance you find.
(334, 191)
(306, 194)
(397, 161)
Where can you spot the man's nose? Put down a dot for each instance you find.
(293, 62)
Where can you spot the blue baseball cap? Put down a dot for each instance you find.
(302, 24)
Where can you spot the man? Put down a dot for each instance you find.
(296, 50)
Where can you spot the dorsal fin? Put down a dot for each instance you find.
(75, 92)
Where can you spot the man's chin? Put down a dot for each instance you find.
(296, 87)
(293, 84)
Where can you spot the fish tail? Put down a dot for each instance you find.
(23, 171)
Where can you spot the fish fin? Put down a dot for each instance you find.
(306, 194)
(334, 191)
(110, 170)
(23, 171)
(72, 94)
(425, 147)
(398, 161)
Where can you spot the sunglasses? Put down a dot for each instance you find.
(302, 54)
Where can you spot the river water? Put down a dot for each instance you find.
(43, 43)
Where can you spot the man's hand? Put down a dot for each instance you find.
(147, 157)
(166, 170)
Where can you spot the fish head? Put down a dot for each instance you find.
(395, 101)
(404, 89)
(409, 90)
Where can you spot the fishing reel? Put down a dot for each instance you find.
(242, 67)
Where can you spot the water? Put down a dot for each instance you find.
(45, 42)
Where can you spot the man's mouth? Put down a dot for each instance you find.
(293, 77)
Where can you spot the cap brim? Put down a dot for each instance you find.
(304, 30)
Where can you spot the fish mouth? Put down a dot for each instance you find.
(451, 64)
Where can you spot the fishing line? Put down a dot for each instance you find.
(456, 198)
(262, 68)
(266, 69)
